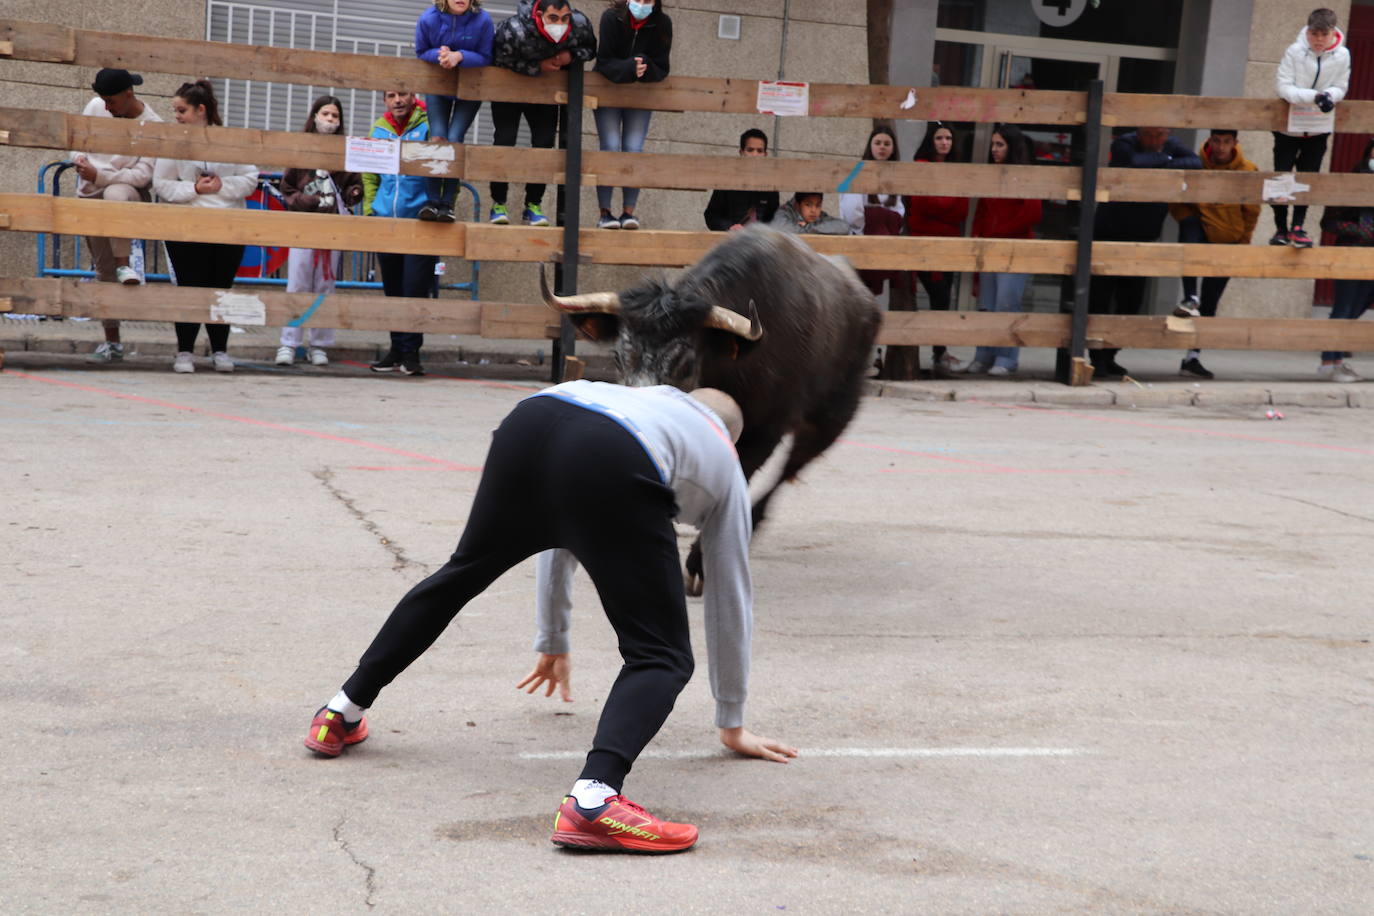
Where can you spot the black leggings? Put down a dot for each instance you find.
(1304, 152)
(203, 264)
(505, 123)
(558, 475)
(939, 292)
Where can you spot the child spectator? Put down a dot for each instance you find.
(1315, 70)
(101, 176)
(1352, 226)
(198, 183)
(1003, 218)
(941, 217)
(731, 210)
(542, 36)
(1219, 224)
(1119, 221)
(804, 215)
(634, 45)
(876, 214)
(451, 33)
(408, 275)
(316, 191)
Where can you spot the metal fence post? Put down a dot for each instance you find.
(570, 207)
(1087, 214)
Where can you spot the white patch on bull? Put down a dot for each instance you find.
(770, 474)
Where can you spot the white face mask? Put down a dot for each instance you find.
(326, 127)
(641, 11)
(1370, 163)
(556, 32)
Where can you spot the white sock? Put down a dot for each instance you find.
(352, 712)
(1193, 354)
(591, 793)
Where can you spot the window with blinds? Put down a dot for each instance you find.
(380, 27)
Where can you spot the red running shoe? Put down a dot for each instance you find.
(329, 733)
(618, 826)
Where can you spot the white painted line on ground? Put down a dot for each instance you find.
(848, 752)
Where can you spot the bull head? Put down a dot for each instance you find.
(720, 318)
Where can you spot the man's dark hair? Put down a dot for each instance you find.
(1223, 132)
(756, 134)
(800, 194)
(1323, 20)
(542, 5)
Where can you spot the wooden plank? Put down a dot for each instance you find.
(1130, 259)
(1188, 111)
(44, 213)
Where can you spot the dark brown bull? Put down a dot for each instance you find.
(795, 364)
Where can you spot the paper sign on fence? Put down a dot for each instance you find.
(1281, 190)
(380, 157)
(238, 308)
(1309, 119)
(778, 98)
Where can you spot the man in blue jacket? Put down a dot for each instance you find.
(408, 275)
(1146, 148)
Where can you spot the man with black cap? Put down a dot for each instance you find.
(114, 177)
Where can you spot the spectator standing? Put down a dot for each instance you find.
(199, 183)
(1352, 226)
(942, 217)
(1003, 218)
(633, 47)
(877, 214)
(408, 275)
(114, 177)
(1117, 221)
(1218, 224)
(311, 270)
(542, 37)
(804, 214)
(731, 210)
(1315, 70)
(451, 34)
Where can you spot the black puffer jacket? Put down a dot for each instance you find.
(620, 43)
(520, 46)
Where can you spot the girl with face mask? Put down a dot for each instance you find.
(636, 41)
(309, 270)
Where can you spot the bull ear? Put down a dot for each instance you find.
(596, 326)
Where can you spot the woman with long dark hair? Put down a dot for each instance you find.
(942, 217)
(1003, 218)
(214, 185)
(877, 214)
(310, 270)
(1352, 226)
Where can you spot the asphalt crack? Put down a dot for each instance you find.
(1308, 502)
(400, 561)
(369, 872)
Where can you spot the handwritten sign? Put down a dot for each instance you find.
(784, 99)
(1309, 119)
(380, 157)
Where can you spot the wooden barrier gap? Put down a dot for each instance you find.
(75, 299)
(72, 298)
(279, 149)
(38, 41)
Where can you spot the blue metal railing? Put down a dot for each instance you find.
(363, 263)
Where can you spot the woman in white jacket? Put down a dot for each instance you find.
(1315, 70)
(198, 183)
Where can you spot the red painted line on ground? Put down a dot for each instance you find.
(1244, 437)
(265, 424)
(992, 468)
(412, 467)
(1065, 471)
(455, 378)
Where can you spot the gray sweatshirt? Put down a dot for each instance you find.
(694, 455)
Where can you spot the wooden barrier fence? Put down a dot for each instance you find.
(21, 40)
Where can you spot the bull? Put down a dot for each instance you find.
(783, 330)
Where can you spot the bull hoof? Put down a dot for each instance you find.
(692, 584)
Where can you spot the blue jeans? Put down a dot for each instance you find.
(1000, 293)
(1351, 299)
(622, 130)
(449, 119)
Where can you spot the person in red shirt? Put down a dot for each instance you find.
(938, 216)
(1003, 218)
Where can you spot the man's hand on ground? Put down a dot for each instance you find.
(742, 741)
(550, 672)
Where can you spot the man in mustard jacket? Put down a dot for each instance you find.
(1219, 224)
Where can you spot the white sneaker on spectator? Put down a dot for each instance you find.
(1325, 370)
(285, 356)
(999, 371)
(950, 361)
(318, 357)
(127, 275)
(222, 362)
(185, 362)
(1188, 308)
(976, 368)
(1344, 373)
(107, 353)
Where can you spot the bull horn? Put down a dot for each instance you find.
(606, 303)
(726, 320)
